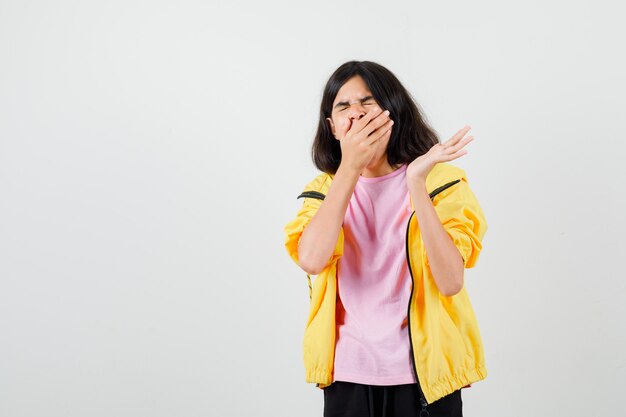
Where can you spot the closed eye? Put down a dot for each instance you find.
(368, 101)
(342, 105)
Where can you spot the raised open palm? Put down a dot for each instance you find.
(441, 152)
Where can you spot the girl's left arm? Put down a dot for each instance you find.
(446, 261)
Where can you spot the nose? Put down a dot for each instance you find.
(357, 111)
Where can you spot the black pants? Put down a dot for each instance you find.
(346, 399)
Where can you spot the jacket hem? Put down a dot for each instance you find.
(453, 383)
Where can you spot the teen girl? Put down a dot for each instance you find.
(388, 228)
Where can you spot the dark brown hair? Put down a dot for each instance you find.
(411, 136)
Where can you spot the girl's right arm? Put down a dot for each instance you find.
(319, 238)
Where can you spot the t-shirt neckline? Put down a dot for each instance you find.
(383, 177)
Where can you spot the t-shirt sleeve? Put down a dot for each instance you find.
(463, 219)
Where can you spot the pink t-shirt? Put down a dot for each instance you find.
(374, 285)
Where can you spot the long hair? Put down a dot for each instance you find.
(411, 135)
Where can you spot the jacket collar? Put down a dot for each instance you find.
(442, 176)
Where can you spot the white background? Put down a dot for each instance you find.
(151, 153)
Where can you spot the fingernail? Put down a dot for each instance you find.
(386, 112)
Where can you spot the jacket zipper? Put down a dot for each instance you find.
(312, 194)
(424, 412)
(442, 188)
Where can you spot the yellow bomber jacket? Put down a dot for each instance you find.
(446, 345)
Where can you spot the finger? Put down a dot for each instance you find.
(457, 136)
(386, 137)
(379, 122)
(451, 157)
(460, 145)
(375, 123)
(377, 139)
(380, 132)
(358, 125)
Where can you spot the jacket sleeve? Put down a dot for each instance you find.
(463, 219)
(293, 229)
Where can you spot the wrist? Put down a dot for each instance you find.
(418, 172)
(417, 188)
(347, 171)
(415, 180)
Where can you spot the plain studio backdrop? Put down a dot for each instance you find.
(151, 153)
